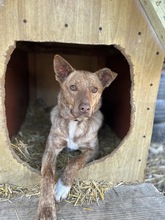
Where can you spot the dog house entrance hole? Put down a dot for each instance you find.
(31, 92)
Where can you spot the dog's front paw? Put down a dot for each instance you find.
(61, 191)
(46, 214)
(46, 211)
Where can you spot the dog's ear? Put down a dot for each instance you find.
(106, 76)
(61, 68)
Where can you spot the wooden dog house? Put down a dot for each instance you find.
(116, 34)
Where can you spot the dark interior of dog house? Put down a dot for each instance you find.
(31, 91)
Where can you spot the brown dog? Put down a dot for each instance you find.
(75, 124)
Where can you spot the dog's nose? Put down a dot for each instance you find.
(84, 108)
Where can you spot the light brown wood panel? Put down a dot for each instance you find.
(100, 22)
(155, 10)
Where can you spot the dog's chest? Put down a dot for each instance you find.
(73, 126)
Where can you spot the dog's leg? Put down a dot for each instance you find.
(64, 184)
(46, 207)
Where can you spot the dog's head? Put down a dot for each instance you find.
(80, 94)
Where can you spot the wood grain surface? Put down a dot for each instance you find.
(122, 203)
(101, 22)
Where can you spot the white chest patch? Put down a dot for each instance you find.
(72, 130)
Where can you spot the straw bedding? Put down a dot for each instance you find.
(30, 142)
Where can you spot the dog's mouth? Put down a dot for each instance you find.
(83, 111)
(79, 116)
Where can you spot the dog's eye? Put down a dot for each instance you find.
(94, 89)
(73, 87)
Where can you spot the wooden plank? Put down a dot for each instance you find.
(155, 11)
(88, 22)
(124, 202)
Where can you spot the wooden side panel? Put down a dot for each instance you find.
(17, 92)
(117, 98)
(155, 11)
(100, 22)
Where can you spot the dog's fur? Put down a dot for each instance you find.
(75, 124)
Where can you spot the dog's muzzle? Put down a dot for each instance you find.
(84, 108)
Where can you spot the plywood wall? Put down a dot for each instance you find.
(100, 22)
(155, 11)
